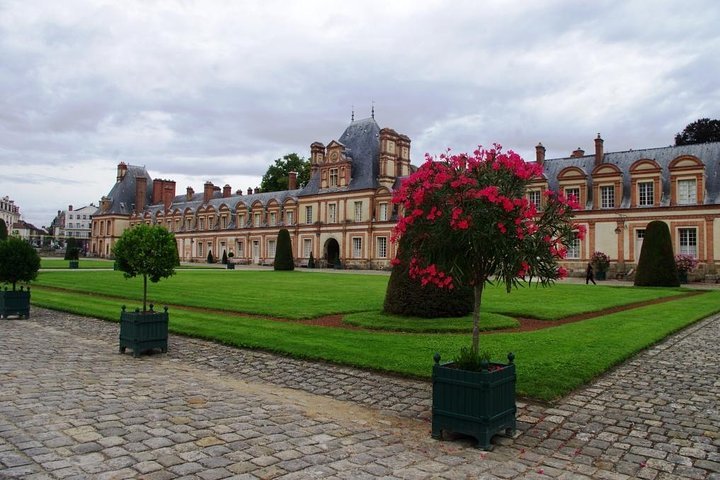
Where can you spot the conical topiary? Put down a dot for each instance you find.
(283, 252)
(224, 258)
(656, 267)
(210, 258)
(311, 261)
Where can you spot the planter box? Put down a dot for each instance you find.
(143, 331)
(231, 266)
(74, 264)
(479, 404)
(683, 277)
(601, 276)
(15, 302)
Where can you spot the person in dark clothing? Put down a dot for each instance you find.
(590, 275)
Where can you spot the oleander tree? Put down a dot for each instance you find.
(150, 251)
(466, 221)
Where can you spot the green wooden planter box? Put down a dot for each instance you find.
(15, 302)
(601, 276)
(478, 404)
(231, 266)
(143, 331)
(74, 264)
(683, 277)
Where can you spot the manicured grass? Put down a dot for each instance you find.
(85, 263)
(381, 321)
(299, 295)
(551, 362)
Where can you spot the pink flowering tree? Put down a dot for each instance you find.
(465, 220)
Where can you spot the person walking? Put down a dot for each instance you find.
(589, 275)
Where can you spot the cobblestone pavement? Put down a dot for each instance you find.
(71, 407)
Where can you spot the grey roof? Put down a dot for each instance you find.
(708, 153)
(181, 202)
(122, 194)
(362, 145)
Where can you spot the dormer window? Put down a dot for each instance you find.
(607, 196)
(333, 177)
(687, 192)
(646, 195)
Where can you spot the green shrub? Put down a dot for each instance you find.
(311, 261)
(656, 267)
(407, 296)
(224, 258)
(72, 251)
(3, 230)
(283, 252)
(210, 258)
(19, 262)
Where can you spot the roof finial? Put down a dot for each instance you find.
(372, 111)
(352, 115)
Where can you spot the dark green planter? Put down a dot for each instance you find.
(478, 404)
(231, 266)
(683, 276)
(74, 264)
(15, 302)
(601, 276)
(143, 331)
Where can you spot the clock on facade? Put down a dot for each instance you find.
(333, 156)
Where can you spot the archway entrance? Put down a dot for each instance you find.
(331, 252)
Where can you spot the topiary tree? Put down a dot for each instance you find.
(656, 267)
(72, 251)
(210, 258)
(283, 253)
(19, 262)
(224, 258)
(3, 230)
(406, 295)
(150, 251)
(466, 221)
(311, 261)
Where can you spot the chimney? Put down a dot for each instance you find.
(579, 152)
(168, 193)
(208, 192)
(292, 181)
(249, 191)
(140, 192)
(189, 194)
(157, 191)
(238, 192)
(540, 153)
(599, 155)
(70, 208)
(227, 191)
(121, 171)
(257, 190)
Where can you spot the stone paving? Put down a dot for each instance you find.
(71, 407)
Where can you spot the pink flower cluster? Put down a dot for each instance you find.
(430, 274)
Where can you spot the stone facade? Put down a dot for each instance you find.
(9, 212)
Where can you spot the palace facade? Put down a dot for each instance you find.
(345, 211)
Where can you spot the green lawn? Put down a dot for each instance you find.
(551, 362)
(59, 263)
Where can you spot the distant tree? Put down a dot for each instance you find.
(283, 252)
(72, 251)
(276, 177)
(311, 261)
(224, 258)
(210, 258)
(150, 251)
(703, 130)
(656, 267)
(19, 262)
(3, 230)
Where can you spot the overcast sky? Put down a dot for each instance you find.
(216, 90)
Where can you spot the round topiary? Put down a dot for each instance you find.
(656, 267)
(19, 262)
(283, 252)
(407, 296)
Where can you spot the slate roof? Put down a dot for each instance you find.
(708, 153)
(362, 146)
(122, 194)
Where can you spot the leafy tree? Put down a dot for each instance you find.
(72, 251)
(466, 221)
(703, 130)
(150, 251)
(283, 252)
(277, 175)
(3, 230)
(19, 262)
(656, 267)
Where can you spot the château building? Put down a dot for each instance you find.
(9, 212)
(345, 211)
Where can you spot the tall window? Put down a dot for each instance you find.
(200, 249)
(271, 248)
(333, 177)
(332, 213)
(307, 247)
(273, 219)
(607, 196)
(188, 224)
(383, 213)
(223, 222)
(646, 197)
(240, 248)
(357, 247)
(257, 219)
(688, 241)
(241, 220)
(534, 197)
(201, 223)
(639, 239)
(308, 214)
(382, 247)
(289, 217)
(573, 248)
(358, 211)
(687, 192)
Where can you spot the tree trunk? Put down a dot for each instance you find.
(477, 290)
(144, 293)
